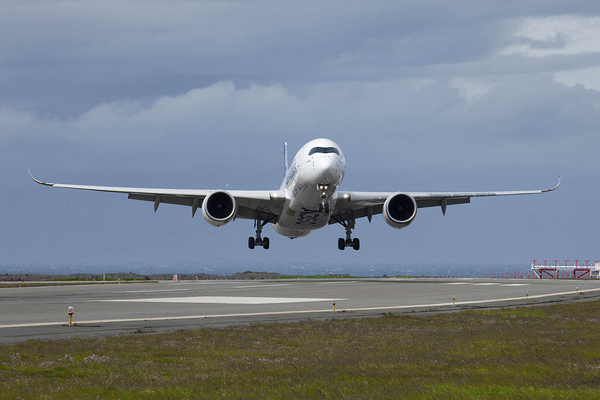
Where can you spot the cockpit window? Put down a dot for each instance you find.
(324, 150)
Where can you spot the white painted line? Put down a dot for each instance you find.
(154, 291)
(260, 286)
(223, 300)
(488, 284)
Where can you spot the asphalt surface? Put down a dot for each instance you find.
(114, 309)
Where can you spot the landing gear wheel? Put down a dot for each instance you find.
(260, 220)
(326, 208)
(347, 221)
(320, 208)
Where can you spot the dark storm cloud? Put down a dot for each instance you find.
(80, 54)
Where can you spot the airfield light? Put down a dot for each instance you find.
(70, 311)
(333, 303)
(453, 300)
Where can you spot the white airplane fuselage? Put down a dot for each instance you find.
(310, 184)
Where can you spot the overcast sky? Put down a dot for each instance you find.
(421, 96)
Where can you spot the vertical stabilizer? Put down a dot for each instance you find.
(285, 158)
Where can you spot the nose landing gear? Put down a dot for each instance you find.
(324, 205)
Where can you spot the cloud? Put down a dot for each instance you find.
(66, 57)
(219, 108)
(588, 77)
(488, 124)
(557, 35)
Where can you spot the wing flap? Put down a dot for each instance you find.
(183, 201)
(438, 202)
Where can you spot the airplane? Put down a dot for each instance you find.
(308, 199)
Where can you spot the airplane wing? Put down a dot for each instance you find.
(268, 202)
(367, 204)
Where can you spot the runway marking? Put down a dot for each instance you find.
(488, 284)
(333, 283)
(328, 310)
(153, 291)
(223, 300)
(255, 286)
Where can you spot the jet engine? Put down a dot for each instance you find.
(219, 208)
(399, 210)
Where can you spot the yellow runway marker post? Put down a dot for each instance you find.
(70, 312)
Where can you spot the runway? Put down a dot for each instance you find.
(114, 309)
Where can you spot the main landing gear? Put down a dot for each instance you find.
(348, 242)
(259, 222)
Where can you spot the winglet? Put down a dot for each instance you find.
(40, 182)
(555, 187)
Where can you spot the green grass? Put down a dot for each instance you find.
(546, 352)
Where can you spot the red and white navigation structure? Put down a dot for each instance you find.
(574, 271)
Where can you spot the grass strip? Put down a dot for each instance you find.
(545, 352)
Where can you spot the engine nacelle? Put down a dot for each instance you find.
(399, 210)
(219, 208)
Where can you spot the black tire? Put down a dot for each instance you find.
(356, 244)
(326, 208)
(251, 243)
(266, 243)
(320, 208)
(341, 244)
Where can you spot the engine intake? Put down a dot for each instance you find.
(219, 208)
(399, 210)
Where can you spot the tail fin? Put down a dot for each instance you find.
(285, 158)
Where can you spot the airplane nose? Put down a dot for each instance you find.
(330, 173)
